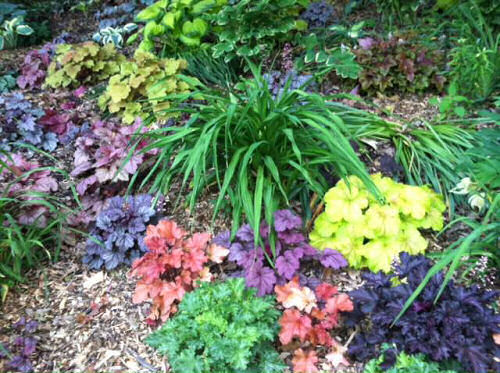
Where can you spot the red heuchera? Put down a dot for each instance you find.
(27, 180)
(304, 319)
(172, 266)
(101, 153)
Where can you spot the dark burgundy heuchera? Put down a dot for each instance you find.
(34, 67)
(398, 63)
(120, 227)
(291, 249)
(22, 347)
(459, 326)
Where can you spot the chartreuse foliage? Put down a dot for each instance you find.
(84, 63)
(223, 328)
(370, 234)
(174, 21)
(251, 28)
(144, 78)
(258, 150)
(390, 361)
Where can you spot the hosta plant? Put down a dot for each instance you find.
(176, 24)
(34, 67)
(21, 348)
(251, 28)
(221, 327)
(172, 267)
(100, 155)
(309, 317)
(145, 78)
(256, 150)
(85, 63)
(11, 30)
(118, 235)
(399, 64)
(113, 35)
(20, 123)
(284, 249)
(370, 234)
(460, 325)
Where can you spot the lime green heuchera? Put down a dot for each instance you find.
(143, 81)
(370, 234)
(85, 63)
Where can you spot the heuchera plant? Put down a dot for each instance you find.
(34, 67)
(85, 63)
(172, 266)
(223, 328)
(398, 64)
(265, 267)
(22, 347)
(145, 78)
(309, 317)
(317, 14)
(101, 152)
(369, 234)
(19, 179)
(460, 325)
(19, 122)
(120, 229)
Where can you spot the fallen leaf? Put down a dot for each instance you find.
(93, 280)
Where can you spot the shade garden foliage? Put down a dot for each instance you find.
(288, 185)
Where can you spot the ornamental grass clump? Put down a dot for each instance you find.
(140, 86)
(370, 234)
(223, 328)
(257, 150)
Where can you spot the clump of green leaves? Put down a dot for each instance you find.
(221, 327)
(370, 234)
(85, 63)
(399, 64)
(251, 28)
(174, 21)
(146, 77)
(321, 59)
(452, 105)
(390, 361)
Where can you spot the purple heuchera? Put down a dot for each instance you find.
(19, 123)
(22, 347)
(291, 249)
(459, 326)
(120, 228)
(34, 67)
(101, 153)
